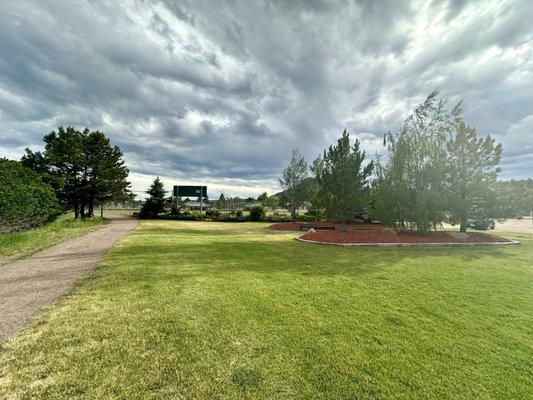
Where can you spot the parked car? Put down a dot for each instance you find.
(482, 224)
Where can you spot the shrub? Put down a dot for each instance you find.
(305, 217)
(25, 200)
(277, 217)
(212, 214)
(257, 213)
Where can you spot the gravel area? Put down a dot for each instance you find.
(28, 285)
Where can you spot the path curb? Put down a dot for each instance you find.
(511, 242)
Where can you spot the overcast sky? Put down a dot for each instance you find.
(219, 92)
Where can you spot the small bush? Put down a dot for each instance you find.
(212, 214)
(257, 213)
(311, 216)
(277, 217)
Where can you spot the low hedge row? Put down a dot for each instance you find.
(256, 214)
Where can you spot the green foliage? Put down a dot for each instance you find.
(291, 181)
(221, 202)
(437, 168)
(471, 171)
(342, 180)
(277, 217)
(155, 204)
(268, 201)
(82, 167)
(409, 187)
(263, 198)
(212, 214)
(513, 199)
(176, 204)
(272, 202)
(257, 213)
(25, 200)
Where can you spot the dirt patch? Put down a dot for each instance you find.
(352, 226)
(385, 237)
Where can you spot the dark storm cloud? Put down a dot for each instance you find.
(222, 91)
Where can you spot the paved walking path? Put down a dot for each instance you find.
(28, 285)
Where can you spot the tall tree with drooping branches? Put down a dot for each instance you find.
(409, 186)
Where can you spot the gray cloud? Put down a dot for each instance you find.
(222, 91)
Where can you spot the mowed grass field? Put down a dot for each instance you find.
(191, 310)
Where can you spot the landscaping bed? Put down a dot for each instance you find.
(352, 226)
(391, 237)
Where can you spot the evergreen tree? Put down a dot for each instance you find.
(263, 198)
(221, 202)
(82, 167)
(471, 172)
(105, 174)
(291, 181)
(343, 181)
(155, 204)
(272, 202)
(62, 166)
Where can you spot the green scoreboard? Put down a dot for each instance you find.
(190, 191)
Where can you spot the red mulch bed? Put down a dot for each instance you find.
(352, 226)
(385, 236)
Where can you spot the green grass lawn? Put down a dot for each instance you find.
(20, 244)
(191, 310)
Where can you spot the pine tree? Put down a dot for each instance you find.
(221, 202)
(155, 204)
(471, 172)
(82, 167)
(343, 181)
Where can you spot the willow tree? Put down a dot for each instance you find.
(410, 190)
(342, 180)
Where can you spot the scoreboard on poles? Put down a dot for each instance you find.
(190, 191)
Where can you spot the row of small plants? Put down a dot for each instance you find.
(256, 214)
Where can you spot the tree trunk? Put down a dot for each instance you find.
(344, 226)
(90, 213)
(462, 227)
(76, 211)
(293, 213)
(82, 210)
